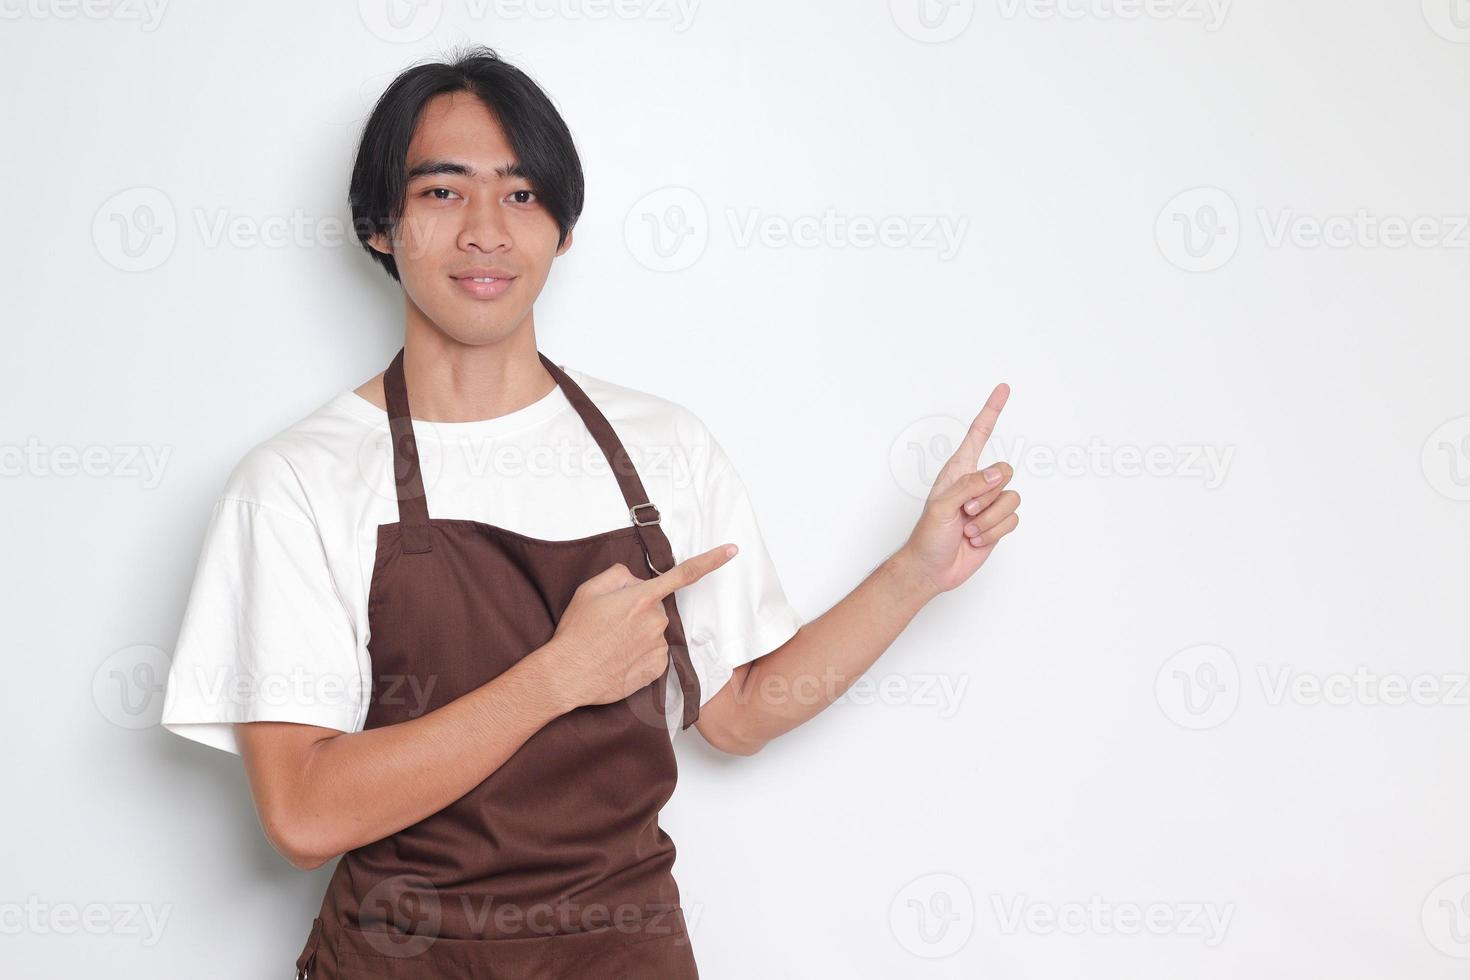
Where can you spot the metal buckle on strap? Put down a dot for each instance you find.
(633, 513)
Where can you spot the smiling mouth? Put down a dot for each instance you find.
(484, 287)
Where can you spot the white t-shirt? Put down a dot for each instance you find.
(276, 627)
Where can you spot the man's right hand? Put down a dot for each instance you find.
(610, 641)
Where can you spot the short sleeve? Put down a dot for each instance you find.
(739, 611)
(265, 635)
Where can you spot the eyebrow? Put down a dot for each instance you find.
(457, 169)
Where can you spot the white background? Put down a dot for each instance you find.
(1117, 733)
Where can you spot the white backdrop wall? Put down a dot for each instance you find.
(1204, 715)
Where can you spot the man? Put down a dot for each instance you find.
(460, 671)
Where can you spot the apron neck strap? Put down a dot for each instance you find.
(413, 507)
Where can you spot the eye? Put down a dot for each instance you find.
(434, 192)
(520, 197)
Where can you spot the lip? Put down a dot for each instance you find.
(484, 290)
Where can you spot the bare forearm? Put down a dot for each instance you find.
(795, 682)
(360, 787)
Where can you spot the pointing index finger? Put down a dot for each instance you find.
(967, 456)
(689, 571)
(984, 425)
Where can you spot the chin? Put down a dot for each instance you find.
(474, 326)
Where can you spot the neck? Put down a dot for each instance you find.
(452, 381)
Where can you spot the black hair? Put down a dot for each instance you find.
(536, 132)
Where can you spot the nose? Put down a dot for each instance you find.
(485, 228)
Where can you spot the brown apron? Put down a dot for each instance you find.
(555, 865)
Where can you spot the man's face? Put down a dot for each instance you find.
(468, 215)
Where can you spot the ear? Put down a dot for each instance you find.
(566, 244)
(379, 242)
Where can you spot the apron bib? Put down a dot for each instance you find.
(555, 865)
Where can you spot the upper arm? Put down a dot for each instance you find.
(277, 759)
(724, 720)
(719, 716)
(265, 634)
